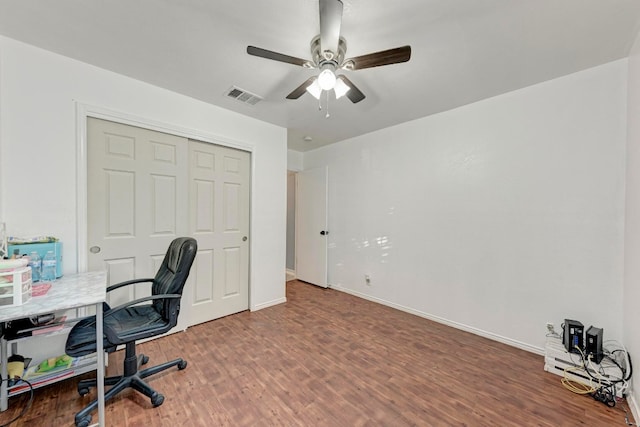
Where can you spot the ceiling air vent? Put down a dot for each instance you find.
(243, 96)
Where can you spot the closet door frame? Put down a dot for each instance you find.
(84, 111)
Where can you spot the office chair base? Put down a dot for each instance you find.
(133, 380)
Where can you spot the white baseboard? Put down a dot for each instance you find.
(291, 274)
(463, 327)
(269, 304)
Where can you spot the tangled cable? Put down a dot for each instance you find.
(604, 383)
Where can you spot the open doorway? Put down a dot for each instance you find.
(291, 226)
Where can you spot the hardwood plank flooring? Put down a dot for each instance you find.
(326, 358)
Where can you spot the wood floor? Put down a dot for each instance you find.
(326, 358)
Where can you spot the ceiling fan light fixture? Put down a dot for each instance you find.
(315, 89)
(327, 79)
(341, 89)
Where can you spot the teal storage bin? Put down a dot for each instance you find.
(41, 249)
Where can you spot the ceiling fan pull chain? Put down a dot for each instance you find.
(327, 115)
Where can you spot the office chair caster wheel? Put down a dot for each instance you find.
(145, 359)
(84, 421)
(157, 399)
(182, 365)
(83, 391)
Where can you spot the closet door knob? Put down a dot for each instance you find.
(94, 249)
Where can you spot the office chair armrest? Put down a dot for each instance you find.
(131, 303)
(128, 282)
(119, 337)
(138, 301)
(112, 335)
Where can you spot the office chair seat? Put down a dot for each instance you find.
(127, 323)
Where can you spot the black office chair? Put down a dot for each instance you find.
(130, 322)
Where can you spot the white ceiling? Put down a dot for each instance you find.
(462, 50)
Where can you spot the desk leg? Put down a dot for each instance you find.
(4, 392)
(100, 369)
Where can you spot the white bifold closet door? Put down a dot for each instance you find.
(144, 191)
(219, 209)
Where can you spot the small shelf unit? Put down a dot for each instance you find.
(79, 365)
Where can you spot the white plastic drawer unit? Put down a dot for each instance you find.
(15, 286)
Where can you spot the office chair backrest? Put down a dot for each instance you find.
(172, 275)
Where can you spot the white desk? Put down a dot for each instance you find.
(68, 292)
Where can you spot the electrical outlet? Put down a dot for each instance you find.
(367, 279)
(550, 327)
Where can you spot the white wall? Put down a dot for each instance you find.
(632, 230)
(294, 160)
(495, 217)
(38, 94)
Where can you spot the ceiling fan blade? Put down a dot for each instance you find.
(263, 53)
(300, 90)
(384, 57)
(354, 93)
(330, 23)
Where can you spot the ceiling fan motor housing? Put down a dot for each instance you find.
(319, 58)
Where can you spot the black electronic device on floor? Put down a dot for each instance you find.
(573, 337)
(593, 344)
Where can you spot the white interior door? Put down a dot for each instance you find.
(311, 226)
(219, 206)
(137, 202)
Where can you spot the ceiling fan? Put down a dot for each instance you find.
(328, 51)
